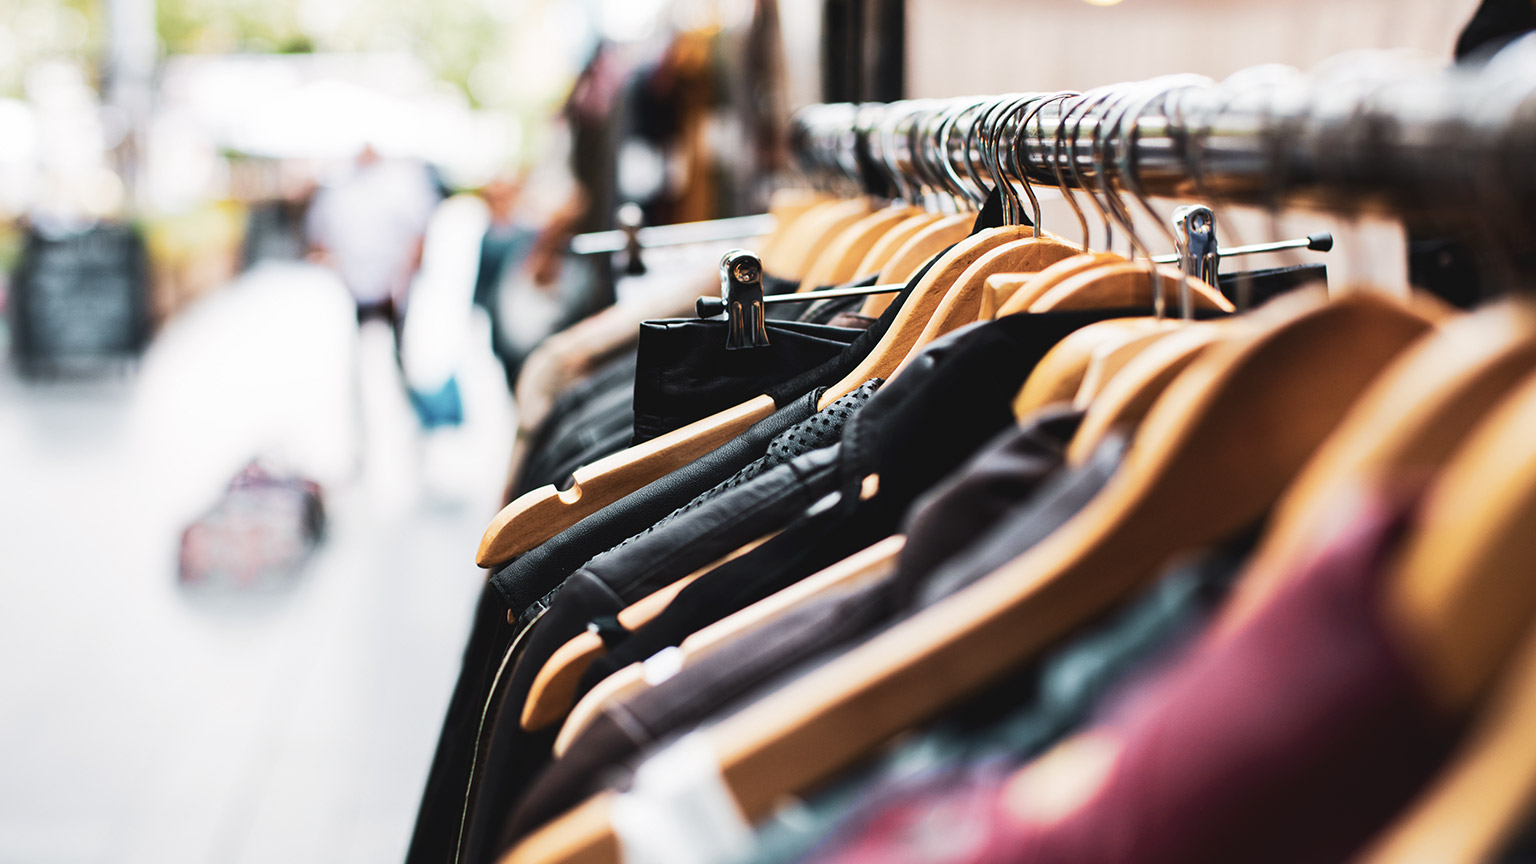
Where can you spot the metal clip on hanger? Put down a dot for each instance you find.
(1195, 227)
(741, 292)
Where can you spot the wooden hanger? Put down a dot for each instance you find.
(875, 562)
(554, 687)
(540, 514)
(1410, 421)
(795, 228)
(1059, 374)
(1107, 360)
(962, 302)
(1482, 800)
(880, 254)
(1129, 395)
(1462, 593)
(915, 312)
(917, 251)
(1002, 288)
(1191, 478)
(1124, 285)
(787, 205)
(839, 261)
(804, 240)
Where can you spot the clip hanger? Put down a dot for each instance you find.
(741, 292)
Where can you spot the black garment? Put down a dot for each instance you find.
(1015, 532)
(684, 372)
(952, 515)
(1002, 475)
(530, 577)
(944, 406)
(523, 581)
(583, 418)
(822, 311)
(778, 285)
(437, 819)
(830, 310)
(756, 500)
(823, 429)
(949, 401)
(624, 730)
(526, 579)
(1262, 286)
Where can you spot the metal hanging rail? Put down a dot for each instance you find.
(1375, 133)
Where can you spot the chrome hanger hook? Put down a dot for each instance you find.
(1005, 108)
(946, 129)
(1061, 179)
(986, 128)
(1022, 171)
(970, 147)
(1126, 142)
(1080, 109)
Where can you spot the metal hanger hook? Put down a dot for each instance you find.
(1022, 171)
(970, 147)
(1004, 109)
(1080, 108)
(1061, 180)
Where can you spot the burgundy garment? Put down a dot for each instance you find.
(1292, 737)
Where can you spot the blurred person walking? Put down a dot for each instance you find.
(368, 226)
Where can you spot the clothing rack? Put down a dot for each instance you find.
(1374, 133)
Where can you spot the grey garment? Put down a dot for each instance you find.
(1021, 717)
(948, 518)
(1013, 534)
(822, 429)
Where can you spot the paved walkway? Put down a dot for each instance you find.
(142, 723)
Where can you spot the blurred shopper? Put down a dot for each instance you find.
(507, 242)
(368, 226)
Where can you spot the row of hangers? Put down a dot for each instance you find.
(1378, 131)
(1071, 279)
(1339, 392)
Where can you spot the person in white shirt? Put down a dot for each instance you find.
(368, 227)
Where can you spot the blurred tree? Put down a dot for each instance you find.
(41, 30)
(452, 38)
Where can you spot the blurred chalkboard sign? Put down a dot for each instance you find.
(80, 297)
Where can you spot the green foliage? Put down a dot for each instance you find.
(452, 38)
(41, 30)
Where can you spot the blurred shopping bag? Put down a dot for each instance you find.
(258, 535)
